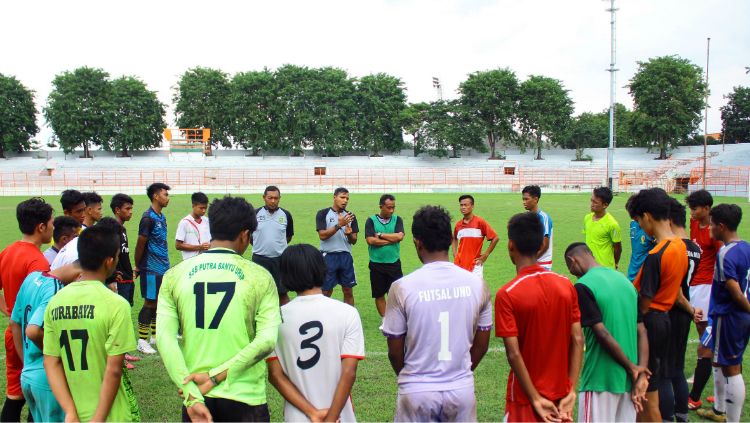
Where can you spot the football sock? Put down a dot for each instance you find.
(720, 383)
(735, 397)
(702, 374)
(144, 322)
(12, 410)
(153, 326)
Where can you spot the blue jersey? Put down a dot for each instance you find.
(36, 291)
(640, 244)
(156, 255)
(732, 262)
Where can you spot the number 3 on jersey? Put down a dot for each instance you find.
(199, 289)
(308, 344)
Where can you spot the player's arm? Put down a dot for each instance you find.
(59, 384)
(183, 246)
(617, 247)
(735, 293)
(608, 342)
(320, 224)
(479, 346)
(3, 306)
(483, 257)
(544, 407)
(15, 329)
(36, 335)
(640, 385)
(398, 234)
(110, 385)
(291, 394)
(140, 248)
(396, 352)
(371, 238)
(684, 304)
(343, 389)
(545, 246)
(575, 360)
(289, 226)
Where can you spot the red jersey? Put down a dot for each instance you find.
(470, 238)
(16, 262)
(539, 307)
(704, 275)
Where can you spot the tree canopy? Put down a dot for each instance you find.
(17, 116)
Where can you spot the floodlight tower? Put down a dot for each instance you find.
(612, 70)
(438, 87)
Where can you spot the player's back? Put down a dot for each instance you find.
(16, 262)
(438, 309)
(316, 334)
(732, 262)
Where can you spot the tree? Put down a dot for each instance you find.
(136, 119)
(331, 111)
(380, 100)
(414, 120)
(735, 116)
(451, 126)
(544, 111)
(255, 109)
(17, 116)
(668, 92)
(78, 108)
(493, 97)
(202, 101)
(588, 130)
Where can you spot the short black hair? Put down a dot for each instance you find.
(654, 201)
(30, 213)
(527, 233)
(70, 198)
(119, 200)
(98, 243)
(677, 213)
(302, 267)
(577, 246)
(386, 197)
(271, 188)
(466, 196)
(532, 190)
(64, 225)
(340, 190)
(700, 198)
(155, 188)
(604, 194)
(432, 226)
(229, 216)
(199, 198)
(728, 214)
(91, 198)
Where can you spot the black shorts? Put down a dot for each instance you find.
(382, 275)
(226, 410)
(680, 322)
(659, 331)
(273, 265)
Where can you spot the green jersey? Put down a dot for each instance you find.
(228, 310)
(83, 325)
(601, 235)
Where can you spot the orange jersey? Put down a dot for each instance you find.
(662, 273)
(470, 238)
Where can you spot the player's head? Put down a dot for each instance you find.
(200, 203)
(302, 268)
(579, 259)
(525, 235)
(122, 206)
(601, 198)
(158, 193)
(466, 204)
(725, 218)
(648, 207)
(66, 229)
(530, 196)
(93, 203)
(677, 215)
(232, 222)
(35, 219)
(431, 230)
(272, 196)
(72, 204)
(387, 206)
(341, 198)
(99, 247)
(700, 203)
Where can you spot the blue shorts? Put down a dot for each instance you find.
(731, 333)
(339, 271)
(150, 285)
(707, 340)
(42, 404)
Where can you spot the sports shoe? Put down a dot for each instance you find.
(711, 414)
(710, 399)
(129, 365)
(145, 347)
(152, 341)
(129, 357)
(694, 405)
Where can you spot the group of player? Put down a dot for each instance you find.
(223, 320)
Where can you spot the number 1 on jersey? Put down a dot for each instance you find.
(445, 353)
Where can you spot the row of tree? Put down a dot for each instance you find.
(294, 108)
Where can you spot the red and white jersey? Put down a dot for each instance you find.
(704, 274)
(470, 236)
(316, 332)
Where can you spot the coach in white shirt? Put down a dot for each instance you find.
(193, 234)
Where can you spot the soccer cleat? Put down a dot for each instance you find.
(711, 414)
(145, 347)
(694, 405)
(129, 365)
(710, 399)
(129, 357)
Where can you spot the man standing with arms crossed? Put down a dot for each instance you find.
(384, 232)
(531, 195)
(337, 230)
(603, 235)
(275, 231)
(468, 238)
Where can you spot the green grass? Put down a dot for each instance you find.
(375, 390)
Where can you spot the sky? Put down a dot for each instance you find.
(415, 40)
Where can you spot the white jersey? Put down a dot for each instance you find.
(438, 308)
(546, 258)
(315, 334)
(67, 254)
(192, 233)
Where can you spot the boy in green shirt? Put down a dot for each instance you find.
(87, 331)
(603, 234)
(227, 308)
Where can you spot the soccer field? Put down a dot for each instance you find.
(374, 392)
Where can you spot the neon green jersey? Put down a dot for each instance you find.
(228, 310)
(85, 323)
(601, 235)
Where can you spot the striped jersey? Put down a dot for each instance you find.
(155, 258)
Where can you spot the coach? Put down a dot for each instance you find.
(275, 231)
(337, 230)
(383, 233)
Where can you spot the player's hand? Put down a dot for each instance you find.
(546, 409)
(479, 261)
(329, 418)
(698, 315)
(72, 417)
(344, 220)
(347, 230)
(637, 371)
(204, 246)
(638, 393)
(136, 273)
(202, 380)
(112, 286)
(566, 405)
(118, 276)
(199, 413)
(318, 415)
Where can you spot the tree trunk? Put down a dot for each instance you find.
(86, 150)
(539, 147)
(416, 146)
(125, 151)
(662, 150)
(455, 152)
(2, 151)
(491, 141)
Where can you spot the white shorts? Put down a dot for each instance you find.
(458, 405)
(700, 296)
(605, 407)
(479, 271)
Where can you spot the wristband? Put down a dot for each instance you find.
(191, 402)
(338, 226)
(213, 380)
